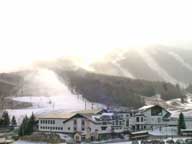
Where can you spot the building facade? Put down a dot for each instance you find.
(98, 124)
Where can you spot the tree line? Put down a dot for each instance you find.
(27, 126)
(6, 121)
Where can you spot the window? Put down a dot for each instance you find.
(141, 119)
(83, 122)
(137, 119)
(75, 129)
(156, 111)
(159, 120)
(83, 129)
(69, 128)
(133, 128)
(138, 127)
(103, 128)
(116, 122)
(104, 123)
(75, 122)
(127, 123)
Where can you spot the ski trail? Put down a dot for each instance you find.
(58, 96)
(153, 65)
(124, 71)
(179, 59)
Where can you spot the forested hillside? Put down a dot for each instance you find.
(112, 90)
(100, 88)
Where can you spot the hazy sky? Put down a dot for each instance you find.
(43, 29)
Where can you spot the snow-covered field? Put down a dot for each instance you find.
(59, 99)
(179, 107)
(47, 104)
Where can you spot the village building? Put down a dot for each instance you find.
(103, 124)
(88, 124)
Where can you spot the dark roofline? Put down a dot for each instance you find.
(155, 106)
(79, 115)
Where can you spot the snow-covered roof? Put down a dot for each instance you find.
(146, 107)
(186, 130)
(139, 132)
(107, 114)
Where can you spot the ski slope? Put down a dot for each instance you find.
(58, 99)
(154, 66)
(179, 59)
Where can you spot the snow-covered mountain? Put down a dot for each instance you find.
(62, 82)
(158, 63)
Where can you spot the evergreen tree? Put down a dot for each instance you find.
(27, 126)
(6, 119)
(31, 124)
(13, 121)
(23, 127)
(181, 123)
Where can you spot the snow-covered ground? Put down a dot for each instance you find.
(59, 99)
(179, 107)
(47, 104)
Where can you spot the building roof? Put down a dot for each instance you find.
(87, 112)
(69, 115)
(139, 132)
(146, 107)
(57, 116)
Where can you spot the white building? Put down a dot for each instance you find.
(99, 124)
(155, 117)
(87, 124)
